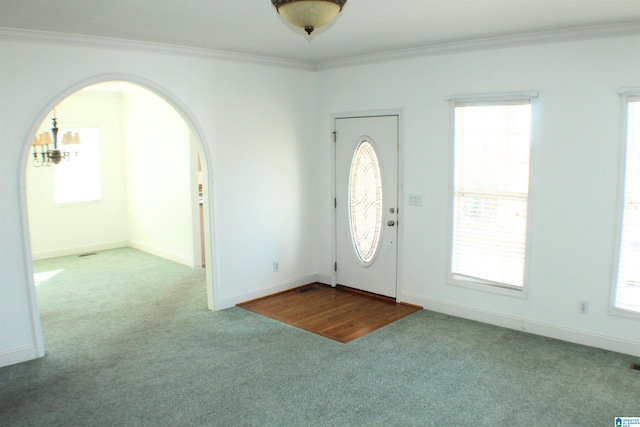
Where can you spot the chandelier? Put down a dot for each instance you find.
(308, 14)
(49, 152)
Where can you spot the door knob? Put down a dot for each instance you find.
(391, 223)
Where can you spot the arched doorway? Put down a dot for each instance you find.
(147, 101)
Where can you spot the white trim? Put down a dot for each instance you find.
(75, 250)
(334, 196)
(234, 299)
(629, 29)
(486, 285)
(197, 231)
(545, 37)
(619, 312)
(211, 272)
(180, 259)
(533, 155)
(34, 311)
(19, 355)
(535, 327)
(400, 207)
(494, 97)
(113, 43)
(629, 91)
(365, 114)
(622, 156)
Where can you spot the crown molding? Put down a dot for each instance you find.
(499, 42)
(16, 34)
(527, 39)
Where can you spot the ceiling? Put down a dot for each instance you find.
(364, 27)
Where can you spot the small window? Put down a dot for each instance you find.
(79, 179)
(627, 294)
(365, 202)
(492, 142)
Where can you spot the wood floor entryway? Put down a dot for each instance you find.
(341, 314)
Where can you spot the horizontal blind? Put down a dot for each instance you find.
(628, 283)
(491, 182)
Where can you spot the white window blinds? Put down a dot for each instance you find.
(491, 184)
(628, 281)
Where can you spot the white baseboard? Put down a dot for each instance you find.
(521, 324)
(232, 300)
(75, 250)
(18, 355)
(180, 259)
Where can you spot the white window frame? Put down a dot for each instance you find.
(491, 99)
(627, 95)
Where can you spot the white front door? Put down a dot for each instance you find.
(367, 203)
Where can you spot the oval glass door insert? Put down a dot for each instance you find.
(365, 202)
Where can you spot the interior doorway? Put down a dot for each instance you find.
(149, 162)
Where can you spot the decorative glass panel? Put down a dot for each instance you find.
(365, 201)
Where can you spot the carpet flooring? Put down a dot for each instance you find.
(130, 342)
(340, 313)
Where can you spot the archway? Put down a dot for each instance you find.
(194, 139)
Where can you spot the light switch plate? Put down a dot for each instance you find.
(415, 199)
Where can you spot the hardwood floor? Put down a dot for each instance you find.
(340, 313)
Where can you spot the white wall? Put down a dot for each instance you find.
(574, 180)
(160, 195)
(256, 126)
(266, 132)
(58, 230)
(264, 202)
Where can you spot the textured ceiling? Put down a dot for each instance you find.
(364, 27)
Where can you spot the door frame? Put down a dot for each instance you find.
(400, 205)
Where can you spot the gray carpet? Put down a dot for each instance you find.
(130, 342)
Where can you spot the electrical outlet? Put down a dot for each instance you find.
(583, 307)
(276, 266)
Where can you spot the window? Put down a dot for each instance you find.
(365, 201)
(80, 179)
(492, 141)
(627, 294)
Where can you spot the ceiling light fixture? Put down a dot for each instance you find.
(50, 153)
(309, 14)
